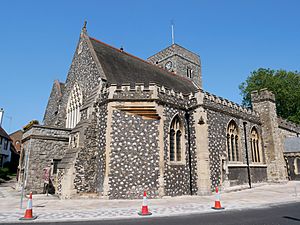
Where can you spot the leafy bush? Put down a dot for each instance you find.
(4, 172)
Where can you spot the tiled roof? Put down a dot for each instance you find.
(122, 68)
(4, 134)
(292, 144)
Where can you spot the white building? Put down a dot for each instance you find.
(5, 142)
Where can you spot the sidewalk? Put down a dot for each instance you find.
(50, 208)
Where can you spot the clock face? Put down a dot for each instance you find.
(168, 65)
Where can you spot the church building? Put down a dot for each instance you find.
(120, 125)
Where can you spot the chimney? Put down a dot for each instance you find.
(1, 116)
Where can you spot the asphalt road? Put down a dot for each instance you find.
(288, 214)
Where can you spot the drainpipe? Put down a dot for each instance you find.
(247, 155)
(187, 117)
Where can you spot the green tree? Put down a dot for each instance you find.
(284, 84)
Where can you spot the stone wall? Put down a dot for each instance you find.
(293, 160)
(84, 71)
(238, 175)
(134, 158)
(90, 162)
(288, 129)
(177, 175)
(43, 144)
(263, 103)
(219, 114)
(182, 67)
(127, 92)
(288, 126)
(129, 115)
(51, 113)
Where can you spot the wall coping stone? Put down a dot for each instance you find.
(229, 104)
(288, 125)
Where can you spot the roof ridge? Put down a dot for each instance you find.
(133, 56)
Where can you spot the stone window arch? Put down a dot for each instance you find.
(175, 150)
(255, 146)
(73, 107)
(233, 142)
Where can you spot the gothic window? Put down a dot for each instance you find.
(178, 145)
(172, 144)
(73, 107)
(228, 144)
(255, 146)
(175, 140)
(233, 142)
(236, 147)
(189, 72)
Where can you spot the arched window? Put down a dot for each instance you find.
(178, 145)
(172, 145)
(175, 140)
(296, 166)
(232, 148)
(237, 147)
(73, 107)
(232, 142)
(228, 144)
(255, 146)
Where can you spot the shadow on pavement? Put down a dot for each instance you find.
(291, 218)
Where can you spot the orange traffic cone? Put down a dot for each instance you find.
(145, 211)
(28, 212)
(217, 201)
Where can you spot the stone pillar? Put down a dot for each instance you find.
(263, 103)
(161, 189)
(201, 128)
(106, 186)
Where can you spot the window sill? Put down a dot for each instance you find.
(181, 163)
(236, 163)
(245, 165)
(258, 165)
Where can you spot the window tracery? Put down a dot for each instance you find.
(176, 140)
(255, 146)
(73, 107)
(232, 142)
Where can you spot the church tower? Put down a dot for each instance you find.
(180, 61)
(263, 102)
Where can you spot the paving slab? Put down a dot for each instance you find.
(51, 208)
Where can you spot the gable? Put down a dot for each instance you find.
(52, 108)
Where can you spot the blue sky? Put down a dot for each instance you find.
(232, 37)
